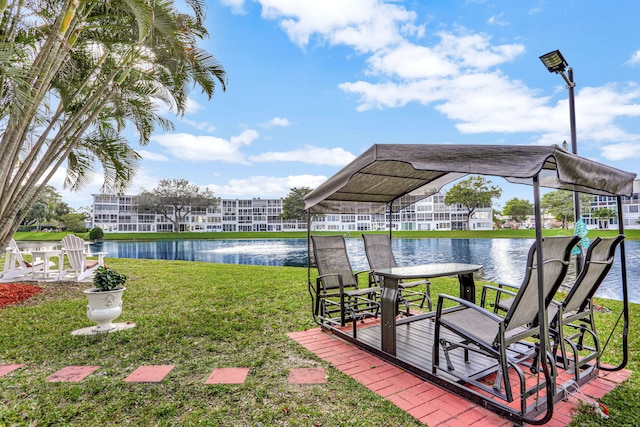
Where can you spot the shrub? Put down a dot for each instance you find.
(96, 233)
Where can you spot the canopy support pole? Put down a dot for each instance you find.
(625, 297)
(309, 247)
(389, 205)
(542, 313)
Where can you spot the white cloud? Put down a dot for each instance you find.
(535, 10)
(443, 72)
(621, 151)
(192, 106)
(475, 51)
(83, 198)
(237, 6)
(265, 186)
(278, 121)
(155, 157)
(498, 20)
(411, 61)
(453, 56)
(635, 58)
(159, 107)
(308, 154)
(162, 108)
(365, 25)
(207, 148)
(458, 75)
(143, 180)
(204, 126)
(76, 199)
(489, 102)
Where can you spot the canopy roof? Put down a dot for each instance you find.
(385, 173)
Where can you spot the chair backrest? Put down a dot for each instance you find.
(330, 253)
(74, 249)
(16, 251)
(556, 252)
(597, 263)
(377, 247)
(14, 257)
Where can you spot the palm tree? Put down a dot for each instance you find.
(37, 214)
(77, 73)
(604, 214)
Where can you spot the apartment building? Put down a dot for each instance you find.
(119, 214)
(630, 211)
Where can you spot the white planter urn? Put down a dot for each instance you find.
(104, 307)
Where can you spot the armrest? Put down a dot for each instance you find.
(320, 282)
(507, 285)
(499, 291)
(100, 256)
(466, 304)
(354, 292)
(357, 273)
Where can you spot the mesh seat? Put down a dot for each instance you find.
(380, 256)
(483, 333)
(575, 312)
(337, 296)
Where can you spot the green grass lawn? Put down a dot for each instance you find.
(201, 316)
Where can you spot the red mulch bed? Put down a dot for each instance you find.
(14, 293)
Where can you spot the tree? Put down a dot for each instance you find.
(472, 193)
(60, 210)
(604, 214)
(518, 209)
(37, 214)
(75, 75)
(43, 209)
(175, 199)
(74, 222)
(293, 204)
(559, 203)
(497, 219)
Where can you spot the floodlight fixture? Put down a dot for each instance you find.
(555, 63)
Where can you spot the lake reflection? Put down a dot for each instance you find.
(503, 260)
(274, 252)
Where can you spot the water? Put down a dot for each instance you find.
(503, 260)
(274, 252)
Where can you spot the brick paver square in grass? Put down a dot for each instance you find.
(149, 374)
(72, 374)
(228, 376)
(5, 369)
(307, 376)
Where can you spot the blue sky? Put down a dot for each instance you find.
(314, 83)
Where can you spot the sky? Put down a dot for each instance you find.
(314, 83)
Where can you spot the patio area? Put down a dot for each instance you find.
(427, 402)
(389, 177)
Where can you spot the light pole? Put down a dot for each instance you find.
(555, 63)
